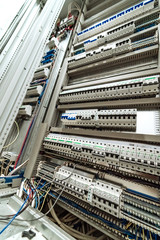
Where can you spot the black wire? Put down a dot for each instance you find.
(15, 224)
(12, 215)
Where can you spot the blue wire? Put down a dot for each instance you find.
(14, 216)
(16, 213)
(41, 186)
(41, 95)
(35, 190)
(94, 215)
(36, 202)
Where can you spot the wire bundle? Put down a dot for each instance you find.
(30, 197)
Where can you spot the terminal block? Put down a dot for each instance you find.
(11, 156)
(120, 31)
(135, 88)
(103, 195)
(25, 110)
(107, 198)
(49, 57)
(111, 119)
(116, 19)
(110, 154)
(42, 73)
(109, 36)
(113, 49)
(34, 91)
(66, 22)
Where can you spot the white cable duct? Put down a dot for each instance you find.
(9, 32)
(17, 38)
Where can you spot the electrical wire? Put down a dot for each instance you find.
(6, 217)
(59, 179)
(17, 168)
(136, 232)
(86, 212)
(7, 168)
(14, 216)
(16, 224)
(143, 234)
(54, 202)
(37, 193)
(128, 225)
(71, 231)
(150, 236)
(2, 165)
(45, 198)
(15, 137)
(44, 185)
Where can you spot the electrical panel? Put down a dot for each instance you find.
(110, 154)
(118, 18)
(136, 88)
(97, 146)
(115, 200)
(106, 132)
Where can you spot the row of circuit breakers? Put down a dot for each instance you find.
(124, 200)
(121, 17)
(110, 154)
(136, 88)
(111, 50)
(120, 119)
(100, 197)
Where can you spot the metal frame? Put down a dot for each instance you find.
(51, 116)
(6, 36)
(15, 42)
(20, 73)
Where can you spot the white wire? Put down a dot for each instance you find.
(15, 137)
(67, 178)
